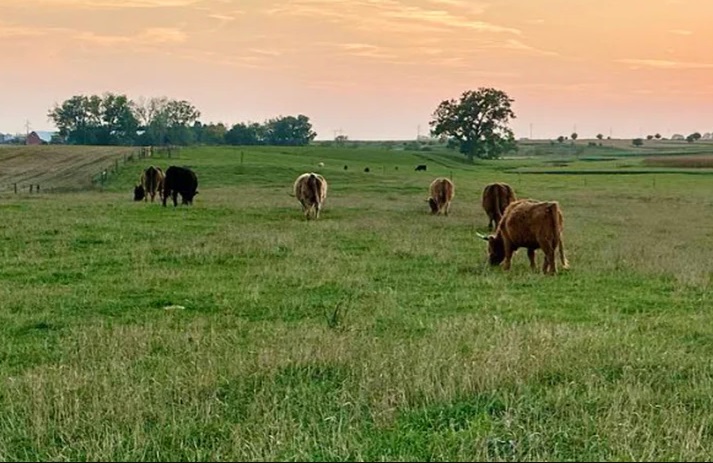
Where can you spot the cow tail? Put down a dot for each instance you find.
(446, 192)
(556, 215)
(314, 186)
(498, 212)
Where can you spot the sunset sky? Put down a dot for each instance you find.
(374, 68)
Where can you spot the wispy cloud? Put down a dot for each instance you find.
(162, 35)
(681, 32)
(12, 31)
(517, 45)
(663, 64)
(375, 15)
(118, 3)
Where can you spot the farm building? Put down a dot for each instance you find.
(39, 137)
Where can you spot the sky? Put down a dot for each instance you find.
(369, 69)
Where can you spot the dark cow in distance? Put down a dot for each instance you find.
(150, 183)
(366, 169)
(528, 224)
(496, 197)
(420, 167)
(180, 180)
(442, 191)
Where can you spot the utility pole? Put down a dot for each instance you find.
(530, 130)
(418, 132)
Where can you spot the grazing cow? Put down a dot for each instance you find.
(442, 191)
(528, 224)
(366, 169)
(346, 167)
(180, 180)
(420, 167)
(496, 197)
(311, 190)
(321, 164)
(150, 183)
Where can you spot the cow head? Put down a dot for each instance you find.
(139, 193)
(496, 248)
(434, 205)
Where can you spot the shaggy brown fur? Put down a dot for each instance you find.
(311, 190)
(533, 225)
(496, 197)
(151, 182)
(442, 192)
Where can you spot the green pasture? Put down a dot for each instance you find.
(237, 330)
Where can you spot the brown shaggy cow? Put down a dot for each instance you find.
(311, 190)
(528, 224)
(496, 197)
(442, 192)
(150, 183)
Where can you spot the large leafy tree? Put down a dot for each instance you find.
(477, 123)
(167, 121)
(289, 130)
(245, 134)
(99, 120)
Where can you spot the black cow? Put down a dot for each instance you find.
(366, 169)
(180, 180)
(346, 167)
(420, 167)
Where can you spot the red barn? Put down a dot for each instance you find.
(39, 138)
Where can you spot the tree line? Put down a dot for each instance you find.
(477, 124)
(112, 119)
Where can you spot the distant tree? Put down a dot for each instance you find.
(649, 137)
(477, 123)
(341, 139)
(245, 134)
(574, 136)
(561, 138)
(166, 121)
(638, 141)
(210, 134)
(657, 136)
(600, 136)
(695, 136)
(96, 120)
(289, 130)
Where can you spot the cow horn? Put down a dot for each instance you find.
(482, 237)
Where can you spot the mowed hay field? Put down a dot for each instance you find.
(236, 330)
(55, 167)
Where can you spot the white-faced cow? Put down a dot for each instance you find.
(442, 191)
(528, 224)
(496, 197)
(310, 189)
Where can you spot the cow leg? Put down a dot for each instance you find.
(508, 255)
(448, 207)
(531, 256)
(174, 196)
(549, 267)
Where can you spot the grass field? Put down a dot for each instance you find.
(236, 330)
